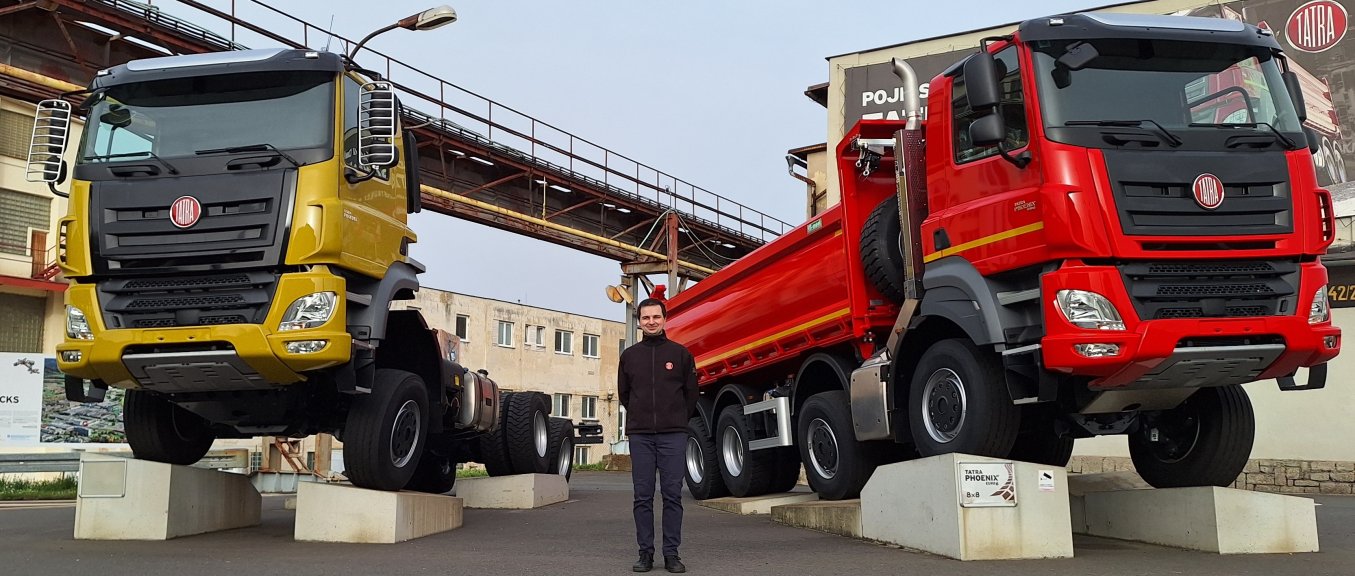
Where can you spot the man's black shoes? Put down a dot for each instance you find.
(645, 563)
(674, 564)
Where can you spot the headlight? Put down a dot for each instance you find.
(309, 311)
(1320, 311)
(1088, 310)
(77, 326)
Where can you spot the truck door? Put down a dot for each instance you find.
(982, 204)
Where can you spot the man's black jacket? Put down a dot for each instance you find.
(656, 380)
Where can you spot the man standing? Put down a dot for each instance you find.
(656, 381)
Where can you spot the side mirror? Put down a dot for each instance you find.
(981, 82)
(1291, 83)
(988, 130)
(376, 126)
(51, 131)
(1314, 141)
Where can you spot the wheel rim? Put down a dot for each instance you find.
(1178, 434)
(823, 449)
(944, 405)
(405, 433)
(542, 433)
(731, 449)
(696, 461)
(566, 457)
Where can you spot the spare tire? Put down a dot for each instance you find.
(881, 254)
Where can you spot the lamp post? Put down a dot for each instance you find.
(426, 20)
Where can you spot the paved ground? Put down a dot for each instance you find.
(593, 534)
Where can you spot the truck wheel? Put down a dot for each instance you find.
(786, 472)
(745, 472)
(159, 431)
(881, 251)
(561, 452)
(836, 464)
(436, 474)
(703, 466)
(1039, 442)
(1203, 442)
(386, 431)
(959, 403)
(492, 446)
(528, 433)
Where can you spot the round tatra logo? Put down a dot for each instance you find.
(1316, 26)
(185, 211)
(1208, 191)
(669, 366)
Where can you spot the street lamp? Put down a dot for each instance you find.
(426, 20)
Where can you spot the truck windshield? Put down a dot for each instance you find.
(177, 117)
(1175, 86)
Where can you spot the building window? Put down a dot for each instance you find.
(581, 455)
(463, 327)
(590, 345)
(621, 423)
(22, 213)
(505, 336)
(23, 320)
(560, 405)
(15, 129)
(564, 342)
(588, 410)
(536, 336)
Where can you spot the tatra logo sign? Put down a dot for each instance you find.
(185, 211)
(1208, 191)
(1316, 26)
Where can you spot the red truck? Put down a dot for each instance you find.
(1059, 251)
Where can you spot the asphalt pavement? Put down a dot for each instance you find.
(592, 533)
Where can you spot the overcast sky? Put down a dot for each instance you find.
(707, 91)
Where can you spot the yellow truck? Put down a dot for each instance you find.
(237, 232)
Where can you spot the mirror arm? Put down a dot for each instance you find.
(52, 186)
(1020, 160)
(353, 177)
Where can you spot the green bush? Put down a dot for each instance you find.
(19, 489)
(597, 467)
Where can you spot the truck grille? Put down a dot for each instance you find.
(1164, 290)
(1153, 194)
(229, 298)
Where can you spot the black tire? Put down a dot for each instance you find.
(387, 431)
(1203, 442)
(745, 472)
(786, 471)
(160, 431)
(836, 464)
(528, 433)
(1039, 442)
(436, 474)
(703, 464)
(881, 254)
(492, 446)
(958, 402)
(561, 452)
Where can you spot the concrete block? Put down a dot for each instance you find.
(1079, 485)
(757, 504)
(841, 517)
(519, 491)
(917, 504)
(127, 499)
(1211, 519)
(346, 513)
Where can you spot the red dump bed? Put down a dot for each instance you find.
(802, 292)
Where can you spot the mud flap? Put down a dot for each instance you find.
(1317, 379)
(77, 392)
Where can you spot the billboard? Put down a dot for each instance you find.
(20, 398)
(1313, 33)
(69, 422)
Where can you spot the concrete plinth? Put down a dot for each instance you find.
(1211, 519)
(520, 491)
(757, 504)
(345, 513)
(126, 499)
(841, 517)
(917, 504)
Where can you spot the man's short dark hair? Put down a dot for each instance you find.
(651, 302)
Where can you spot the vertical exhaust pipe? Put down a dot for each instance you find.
(912, 103)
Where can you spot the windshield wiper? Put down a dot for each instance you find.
(1161, 130)
(1288, 143)
(264, 147)
(147, 153)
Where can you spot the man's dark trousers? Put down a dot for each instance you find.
(664, 453)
